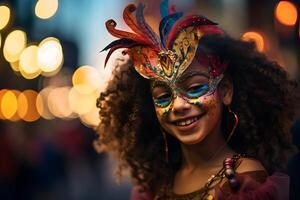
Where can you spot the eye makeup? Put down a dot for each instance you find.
(191, 86)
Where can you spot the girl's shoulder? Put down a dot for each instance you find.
(255, 183)
(248, 164)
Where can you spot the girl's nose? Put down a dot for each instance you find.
(180, 105)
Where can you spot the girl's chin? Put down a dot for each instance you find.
(191, 139)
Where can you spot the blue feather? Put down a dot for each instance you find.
(166, 25)
(164, 8)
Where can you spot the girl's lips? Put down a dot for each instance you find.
(187, 124)
(186, 121)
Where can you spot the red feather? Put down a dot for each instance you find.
(208, 29)
(130, 20)
(111, 27)
(192, 20)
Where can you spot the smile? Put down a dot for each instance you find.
(186, 122)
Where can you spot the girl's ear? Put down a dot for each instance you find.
(226, 90)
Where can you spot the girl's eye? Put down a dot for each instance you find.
(197, 90)
(163, 100)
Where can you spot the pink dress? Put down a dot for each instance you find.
(255, 185)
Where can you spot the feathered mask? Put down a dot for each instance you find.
(163, 57)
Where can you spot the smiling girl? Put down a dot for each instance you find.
(195, 114)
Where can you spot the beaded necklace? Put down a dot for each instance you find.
(228, 171)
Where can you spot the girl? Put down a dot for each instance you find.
(195, 114)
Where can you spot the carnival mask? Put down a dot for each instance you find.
(164, 58)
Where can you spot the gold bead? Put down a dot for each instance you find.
(210, 197)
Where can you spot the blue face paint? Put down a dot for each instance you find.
(197, 91)
(163, 101)
(191, 88)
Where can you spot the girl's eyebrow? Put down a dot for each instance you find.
(157, 83)
(187, 75)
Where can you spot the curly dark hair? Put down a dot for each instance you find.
(263, 99)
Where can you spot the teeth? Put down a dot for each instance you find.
(186, 122)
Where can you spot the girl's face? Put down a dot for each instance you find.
(191, 109)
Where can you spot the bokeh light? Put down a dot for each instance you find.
(9, 104)
(29, 75)
(2, 92)
(22, 105)
(50, 55)
(16, 117)
(52, 102)
(0, 40)
(286, 13)
(91, 119)
(42, 103)
(14, 44)
(32, 113)
(86, 79)
(255, 37)
(81, 103)
(28, 62)
(4, 16)
(45, 9)
(58, 102)
(50, 74)
(15, 66)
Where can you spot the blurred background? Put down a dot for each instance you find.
(51, 73)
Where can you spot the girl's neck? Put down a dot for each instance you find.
(207, 154)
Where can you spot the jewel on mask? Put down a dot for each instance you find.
(166, 61)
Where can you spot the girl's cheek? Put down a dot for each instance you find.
(162, 112)
(208, 102)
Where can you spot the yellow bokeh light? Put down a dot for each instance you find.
(86, 79)
(64, 106)
(32, 113)
(30, 75)
(22, 105)
(0, 40)
(9, 104)
(2, 92)
(81, 103)
(14, 44)
(50, 55)
(286, 13)
(28, 60)
(4, 16)
(16, 116)
(42, 103)
(255, 37)
(28, 64)
(45, 9)
(58, 102)
(49, 74)
(15, 66)
(91, 119)
(52, 101)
